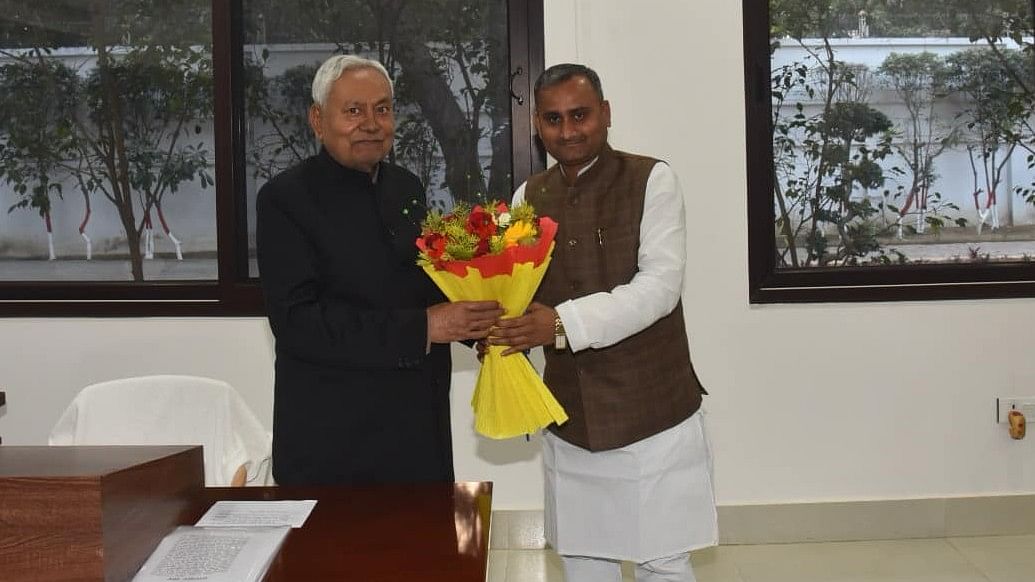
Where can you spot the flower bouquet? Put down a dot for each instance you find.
(495, 253)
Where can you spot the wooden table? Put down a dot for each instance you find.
(412, 533)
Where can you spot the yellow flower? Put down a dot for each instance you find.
(518, 232)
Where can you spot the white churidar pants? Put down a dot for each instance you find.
(648, 500)
(671, 569)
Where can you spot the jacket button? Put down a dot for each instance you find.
(572, 243)
(575, 285)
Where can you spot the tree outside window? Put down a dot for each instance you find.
(114, 116)
(106, 113)
(900, 147)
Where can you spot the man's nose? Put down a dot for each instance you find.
(368, 123)
(568, 129)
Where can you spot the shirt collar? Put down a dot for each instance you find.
(348, 173)
(584, 168)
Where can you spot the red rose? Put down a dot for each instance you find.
(501, 207)
(434, 244)
(481, 223)
(482, 248)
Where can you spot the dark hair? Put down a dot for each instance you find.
(558, 74)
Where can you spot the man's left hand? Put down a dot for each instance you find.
(534, 328)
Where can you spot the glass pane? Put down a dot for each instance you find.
(902, 131)
(106, 148)
(460, 146)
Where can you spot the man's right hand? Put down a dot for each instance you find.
(462, 320)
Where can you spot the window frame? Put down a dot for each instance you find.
(767, 284)
(233, 292)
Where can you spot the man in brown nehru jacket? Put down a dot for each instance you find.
(628, 477)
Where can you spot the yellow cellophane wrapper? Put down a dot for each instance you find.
(510, 399)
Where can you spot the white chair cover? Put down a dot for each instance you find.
(171, 410)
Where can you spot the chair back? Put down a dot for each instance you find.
(172, 410)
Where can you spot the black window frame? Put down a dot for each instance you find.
(234, 293)
(767, 284)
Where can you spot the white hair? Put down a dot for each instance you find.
(333, 68)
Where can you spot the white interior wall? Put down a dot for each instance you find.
(809, 402)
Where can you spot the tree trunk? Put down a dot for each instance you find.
(136, 259)
(448, 122)
(114, 145)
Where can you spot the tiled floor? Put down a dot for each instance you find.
(983, 559)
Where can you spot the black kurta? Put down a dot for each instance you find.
(357, 398)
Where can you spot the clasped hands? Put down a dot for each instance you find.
(483, 321)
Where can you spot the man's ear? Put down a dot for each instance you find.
(605, 106)
(314, 121)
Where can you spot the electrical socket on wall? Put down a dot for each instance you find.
(1026, 404)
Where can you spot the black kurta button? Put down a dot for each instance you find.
(572, 243)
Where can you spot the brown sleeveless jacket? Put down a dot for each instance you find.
(645, 383)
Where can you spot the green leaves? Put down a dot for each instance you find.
(36, 131)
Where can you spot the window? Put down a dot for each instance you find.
(135, 134)
(891, 151)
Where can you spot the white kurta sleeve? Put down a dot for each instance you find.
(603, 319)
(519, 195)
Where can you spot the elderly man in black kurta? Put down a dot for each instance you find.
(362, 354)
